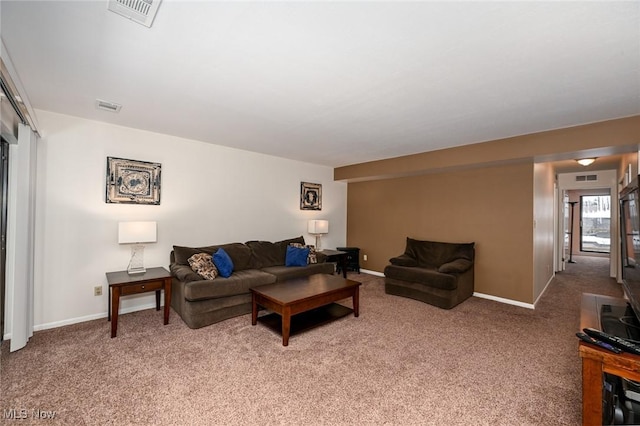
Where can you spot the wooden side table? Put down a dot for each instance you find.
(123, 284)
(340, 257)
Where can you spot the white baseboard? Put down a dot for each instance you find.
(481, 295)
(546, 286)
(367, 271)
(503, 300)
(92, 317)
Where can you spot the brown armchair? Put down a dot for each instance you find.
(440, 274)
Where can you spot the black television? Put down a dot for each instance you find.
(630, 250)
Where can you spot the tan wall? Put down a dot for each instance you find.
(543, 190)
(487, 192)
(614, 135)
(492, 206)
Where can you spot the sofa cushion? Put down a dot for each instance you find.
(296, 256)
(264, 254)
(289, 272)
(182, 254)
(239, 253)
(287, 242)
(223, 262)
(202, 264)
(282, 245)
(238, 283)
(428, 277)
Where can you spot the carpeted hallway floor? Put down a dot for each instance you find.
(400, 362)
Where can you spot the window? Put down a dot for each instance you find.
(595, 223)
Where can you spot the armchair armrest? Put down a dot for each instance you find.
(403, 260)
(457, 266)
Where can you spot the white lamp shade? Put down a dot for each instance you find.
(318, 227)
(137, 232)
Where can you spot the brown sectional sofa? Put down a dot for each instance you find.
(202, 302)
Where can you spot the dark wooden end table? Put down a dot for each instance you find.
(301, 295)
(123, 284)
(338, 256)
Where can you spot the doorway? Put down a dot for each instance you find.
(601, 183)
(595, 224)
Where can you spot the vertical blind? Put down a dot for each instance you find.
(18, 128)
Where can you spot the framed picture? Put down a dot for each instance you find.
(132, 182)
(310, 196)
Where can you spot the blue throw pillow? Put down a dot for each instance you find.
(223, 262)
(296, 256)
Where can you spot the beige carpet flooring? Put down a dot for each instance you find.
(402, 362)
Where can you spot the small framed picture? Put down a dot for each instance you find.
(132, 182)
(310, 196)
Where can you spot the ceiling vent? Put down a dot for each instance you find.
(107, 106)
(140, 11)
(586, 178)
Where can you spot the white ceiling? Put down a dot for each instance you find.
(332, 83)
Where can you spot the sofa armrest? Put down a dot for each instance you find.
(403, 260)
(184, 273)
(457, 266)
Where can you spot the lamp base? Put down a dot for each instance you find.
(136, 263)
(318, 242)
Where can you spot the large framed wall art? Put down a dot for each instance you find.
(310, 196)
(132, 182)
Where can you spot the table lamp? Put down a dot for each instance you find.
(137, 233)
(317, 228)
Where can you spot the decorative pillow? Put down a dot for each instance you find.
(312, 258)
(202, 264)
(223, 262)
(296, 256)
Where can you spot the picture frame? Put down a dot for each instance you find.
(310, 196)
(132, 181)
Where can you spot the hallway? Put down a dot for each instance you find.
(589, 273)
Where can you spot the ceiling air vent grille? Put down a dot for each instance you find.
(140, 11)
(586, 178)
(107, 106)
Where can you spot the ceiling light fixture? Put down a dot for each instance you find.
(586, 161)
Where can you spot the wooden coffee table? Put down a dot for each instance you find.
(301, 295)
